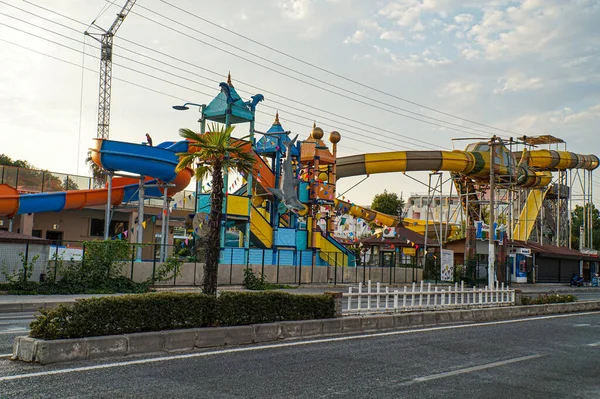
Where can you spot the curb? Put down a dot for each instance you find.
(67, 350)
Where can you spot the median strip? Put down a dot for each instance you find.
(169, 341)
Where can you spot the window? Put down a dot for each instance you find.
(36, 233)
(116, 227)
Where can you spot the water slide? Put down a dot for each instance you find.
(261, 231)
(529, 213)
(533, 173)
(157, 163)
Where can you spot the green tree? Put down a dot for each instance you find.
(212, 154)
(388, 203)
(577, 217)
(7, 161)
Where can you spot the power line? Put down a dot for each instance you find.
(139, 72)
(430, 145)
(303, 74)
(328, 71)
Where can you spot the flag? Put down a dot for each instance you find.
(126, 232)
(144, 224)
(120, 235)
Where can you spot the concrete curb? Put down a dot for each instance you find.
(66, 350)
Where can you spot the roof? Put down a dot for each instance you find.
(551, 251)
(217, 109)
(543, 139)
(403, 238)
(10, 237)
(275, 140)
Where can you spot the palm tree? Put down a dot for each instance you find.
(213, 153)
(98, 176)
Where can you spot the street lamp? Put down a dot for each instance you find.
(185, 107)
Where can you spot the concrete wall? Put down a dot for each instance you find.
(11, 262)
(193, 273)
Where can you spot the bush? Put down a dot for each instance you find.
(167, 311)
(260, 283)
(124, 314)
(544, 299)
(239, 308)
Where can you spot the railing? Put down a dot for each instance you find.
(418, 298)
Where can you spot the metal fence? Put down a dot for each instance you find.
(457, 296)
(45, 260)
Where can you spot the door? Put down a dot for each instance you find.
(55, 236)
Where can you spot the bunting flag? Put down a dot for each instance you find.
(144, 224)
(126, 232)
(120, 236)
(153, 219)
(186, 241)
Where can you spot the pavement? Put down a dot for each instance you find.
(489, 360)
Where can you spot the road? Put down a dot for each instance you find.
(11, 326)
(489, 360)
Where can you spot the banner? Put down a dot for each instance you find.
(447, 265)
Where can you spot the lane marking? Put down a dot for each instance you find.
(6, 355)
(280, 345)
(581, 325)
(594, 344)
(476, 368)
(13, 331)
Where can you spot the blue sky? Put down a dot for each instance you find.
(526, 67)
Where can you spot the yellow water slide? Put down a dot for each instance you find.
(529, 213)
(260, 228)
(382, 219)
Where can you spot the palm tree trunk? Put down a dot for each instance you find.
(213, 250)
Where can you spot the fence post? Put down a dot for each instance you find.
(55, 263)
(153, 263)
(231, 267)
(335, 270)
(132, 260)
(262, 267)
(25, 264)
(312, 272)
(278, 257)
(83, 257)
(300, 269)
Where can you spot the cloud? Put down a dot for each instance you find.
(356, 38)
(393, 35)
(459, 89)
(517, 81)
(295, 9)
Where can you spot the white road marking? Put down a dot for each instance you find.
(5, 356)
(18, 331)
(581, 325)
(476, 368)
(594, 344)
(280, 345)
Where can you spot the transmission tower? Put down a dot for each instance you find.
(106, 51)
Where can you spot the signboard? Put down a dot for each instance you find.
(447, 265)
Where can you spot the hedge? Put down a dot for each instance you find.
(544, 299)
(168, 311)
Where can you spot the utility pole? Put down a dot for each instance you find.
(106, 51)
(492, 246)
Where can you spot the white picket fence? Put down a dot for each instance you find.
(424, 298)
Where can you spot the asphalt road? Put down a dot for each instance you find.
(11, 326)
(551, 357)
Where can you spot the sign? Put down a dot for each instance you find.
(447, 265)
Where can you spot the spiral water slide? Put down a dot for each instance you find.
(534, 171)
(157, 163)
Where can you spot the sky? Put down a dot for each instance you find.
(388, 75)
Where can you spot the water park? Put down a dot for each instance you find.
(287, 211)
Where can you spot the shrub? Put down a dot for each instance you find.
(167, 311)
(552, 298)
(239, 308)
(125, 314)
(260, 283)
